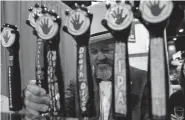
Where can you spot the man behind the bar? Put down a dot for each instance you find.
(101, 49)
(101, 53)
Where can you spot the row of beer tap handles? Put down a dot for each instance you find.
(118, 17)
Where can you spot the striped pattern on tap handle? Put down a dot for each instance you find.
(53, 84)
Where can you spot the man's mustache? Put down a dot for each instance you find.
(104, 62)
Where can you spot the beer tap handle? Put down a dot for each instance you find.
(46, 25)
(119, 25)
(78, 25)
(10, 40)
(154, 16)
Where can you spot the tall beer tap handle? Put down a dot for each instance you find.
(154, 15)
(34, 13)
(10, 39)
(117, 21)
(78, 25)
(46, 24)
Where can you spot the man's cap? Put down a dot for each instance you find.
(98, 31)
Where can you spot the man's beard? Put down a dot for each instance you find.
(103, 71)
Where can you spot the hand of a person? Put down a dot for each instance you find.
(36, 99)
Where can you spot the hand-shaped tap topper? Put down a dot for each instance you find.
(78, 22)
(119, 15)
(46, 25)
(10, 39)
(154, 15)
(155, 11)
(8, 35)
(34, 14)
(118, 22)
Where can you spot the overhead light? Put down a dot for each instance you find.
(174, 38)
(181, 30)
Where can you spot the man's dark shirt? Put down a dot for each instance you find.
(139, 96)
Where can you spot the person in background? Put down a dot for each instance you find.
(175, 67)
(177, 99)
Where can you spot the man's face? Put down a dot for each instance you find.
(102, 58)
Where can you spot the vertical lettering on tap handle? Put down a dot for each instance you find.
(40, 66)
(121, 80)
(83, 80)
